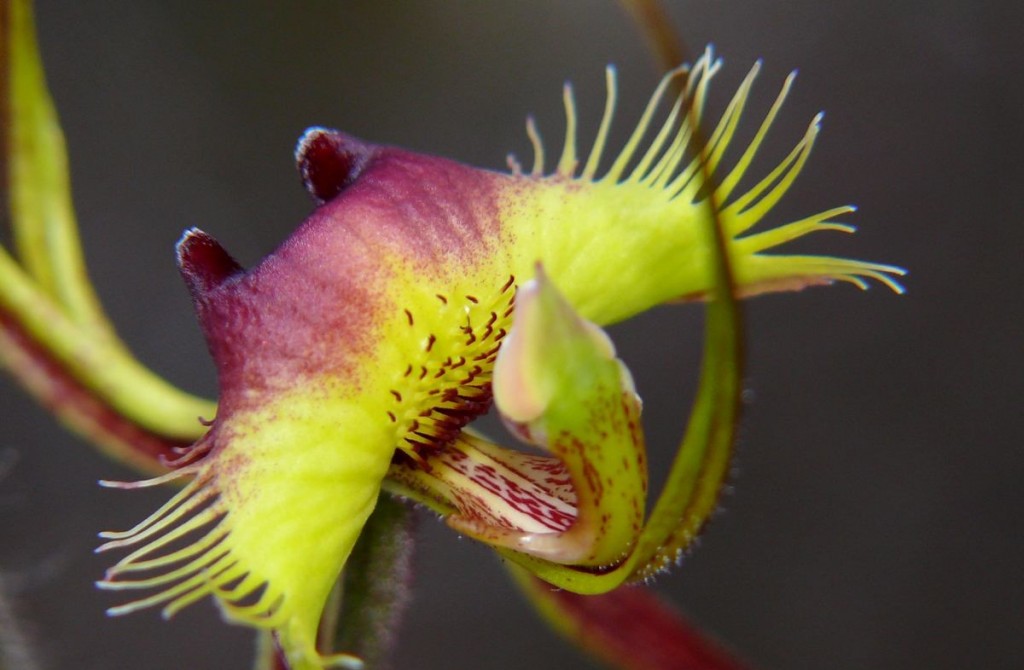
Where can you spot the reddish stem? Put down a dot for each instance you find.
(51, 382)
(633, 629)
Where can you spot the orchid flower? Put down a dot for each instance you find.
(418, 293)
(418, 290)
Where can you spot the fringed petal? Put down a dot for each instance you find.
(636, 236)
(262, 531)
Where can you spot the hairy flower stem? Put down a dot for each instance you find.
(365, 610)
(376, 584)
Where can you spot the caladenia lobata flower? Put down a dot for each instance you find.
(420, 290)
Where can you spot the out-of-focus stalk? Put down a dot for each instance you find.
(15, 649)
(54, 337)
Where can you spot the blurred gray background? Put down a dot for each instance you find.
(875, 517)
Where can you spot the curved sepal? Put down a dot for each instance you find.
(54, 337)
(38, 184)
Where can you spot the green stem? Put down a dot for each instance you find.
(365, 609)
(376, 584)
(46, 298)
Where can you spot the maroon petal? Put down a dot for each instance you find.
(204, 263)
(328, 161)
